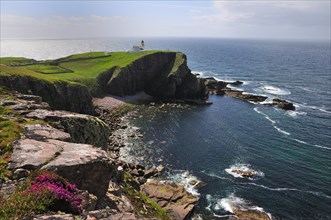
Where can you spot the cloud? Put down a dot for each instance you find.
(269, 19)
(59, 26)
(296, 13)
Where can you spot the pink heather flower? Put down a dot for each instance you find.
(60, 188)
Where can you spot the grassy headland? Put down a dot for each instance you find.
(79, 68)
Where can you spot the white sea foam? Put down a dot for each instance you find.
(265, 115)
(282, 131)
(315, 145)
(230, 204)
(319, 146)
(238, 169)
(215, 175)
(185, 177)
(300, 141)
(273, 122)
(288, 189)
(318, 108)
(201, 73)
(295, 114)
(274, 90)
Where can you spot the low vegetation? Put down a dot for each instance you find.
(42, 191)
(82, 68)
(143, 205)
(10, 130)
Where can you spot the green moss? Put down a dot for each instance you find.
(143, 205)
(178, 61)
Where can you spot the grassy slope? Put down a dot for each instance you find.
(83, 68)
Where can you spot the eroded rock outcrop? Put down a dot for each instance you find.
(162, 75)
(74, 162)
(59, 95)
(82, 128)
(171, 197)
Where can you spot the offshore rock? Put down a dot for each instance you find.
(283, 104)
(82, 128)
(172, 197)
(243, 96)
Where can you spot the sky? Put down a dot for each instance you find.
(54, 19)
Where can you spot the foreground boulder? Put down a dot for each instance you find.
(172, 197)
(88, 167)
(44, 131)
(82, 128)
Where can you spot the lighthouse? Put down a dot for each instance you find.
(142, 45)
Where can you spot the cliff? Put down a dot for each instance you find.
(67, 83)
(59, 95)
(161, 74)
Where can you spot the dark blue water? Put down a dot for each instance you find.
(291, 151)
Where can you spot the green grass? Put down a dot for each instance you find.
(10, 130)
(48, 69)
(83, 68)
(16, 61)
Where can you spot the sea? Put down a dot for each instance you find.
(289, 151)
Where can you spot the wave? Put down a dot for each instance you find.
(232, 204)
(243, 170)
(282, 131)
(273, 122)
(319, 146)
(256, 109)
(288, 189)
(189, 181)
(300, 141)
(215, 175)
(272, 90)
(315, 145)
(201, 73)
(318, 108)
(295, 114)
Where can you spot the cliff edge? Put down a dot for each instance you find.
(68, 83)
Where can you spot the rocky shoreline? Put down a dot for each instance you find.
(217, 87)
(81, 148)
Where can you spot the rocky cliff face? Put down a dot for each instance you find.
(162, 75)
(59, 95)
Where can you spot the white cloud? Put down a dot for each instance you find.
(269, 18)
(302, 13)
(59, 26)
